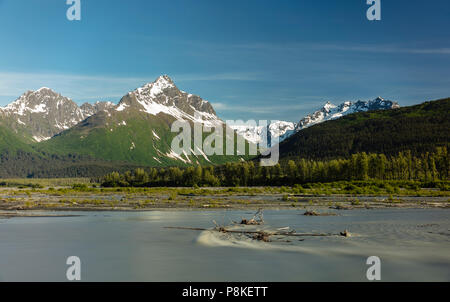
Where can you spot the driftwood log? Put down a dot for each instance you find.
(260, 235)
(225, 230)
(257, 219)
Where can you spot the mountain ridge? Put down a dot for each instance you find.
(281, 130)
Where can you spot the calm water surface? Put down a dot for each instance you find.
(413, 245)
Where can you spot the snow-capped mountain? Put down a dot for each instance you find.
(259, 134)
(44, 113)
(139, 128)
(329, 111)
(163, 97)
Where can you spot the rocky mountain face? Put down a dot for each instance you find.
(163, 97)
(91, 109)
(281, 130)
(44, 113)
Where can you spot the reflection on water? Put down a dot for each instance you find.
(413, 245)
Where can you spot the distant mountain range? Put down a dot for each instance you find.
(281, 130)
(44, 134)
(39, 115)
(137, 130)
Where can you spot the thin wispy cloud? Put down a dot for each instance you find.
(381, 49)
(238, 76)
(325, 46)
(74, 86)
(88, 87)
(265, 108)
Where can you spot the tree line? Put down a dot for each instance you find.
(430, 166)
(21, 164)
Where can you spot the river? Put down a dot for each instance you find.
(412, 244)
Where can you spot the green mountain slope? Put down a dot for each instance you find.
(11, 142)
(418, 128)
(131, 136)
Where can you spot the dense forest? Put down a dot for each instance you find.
(23, 164)
(419, 129)
(361, 166)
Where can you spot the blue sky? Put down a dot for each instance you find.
(253, 59)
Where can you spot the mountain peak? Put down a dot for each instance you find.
(163, 96)
(381, 103)
(328, 106)
(44, 113)
(164, 79)
(43, 89)
(155, 88)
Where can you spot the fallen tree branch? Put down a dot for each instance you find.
(260, 235)
(224, 230)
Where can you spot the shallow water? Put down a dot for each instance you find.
(413, 245)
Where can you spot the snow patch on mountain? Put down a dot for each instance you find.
(253, 134)
(155, 135)
(40, 138)
(172, 154)
(121, 107)
(200, 151)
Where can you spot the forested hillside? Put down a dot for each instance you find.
(419, 129)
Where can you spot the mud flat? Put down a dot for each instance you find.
(25, 214)
(158, 199)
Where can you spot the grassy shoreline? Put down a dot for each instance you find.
(80, 194)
